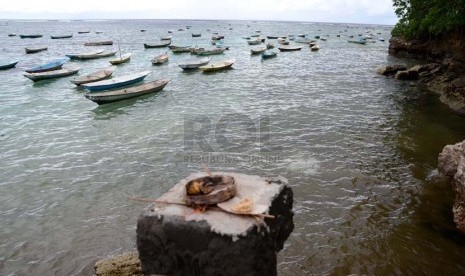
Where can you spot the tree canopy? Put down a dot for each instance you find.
(428, 18)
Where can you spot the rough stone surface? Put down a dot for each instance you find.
(390, 70)
(451, 163)
(127, 264)
(407, 75)
(173, 239)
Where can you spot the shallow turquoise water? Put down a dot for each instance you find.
(358, 149)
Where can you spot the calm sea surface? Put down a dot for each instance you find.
(358, 149)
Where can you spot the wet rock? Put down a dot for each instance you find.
(174, 239)
(391, 69)
(127, 264)
(406, 75)
(451, 163)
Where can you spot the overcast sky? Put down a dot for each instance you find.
(343, 11)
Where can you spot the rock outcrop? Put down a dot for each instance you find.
(127, 264)
(444, 75)
(451, 163)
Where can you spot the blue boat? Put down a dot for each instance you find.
(116, 82)
(268, 54)
(8, 65)
(52, 65)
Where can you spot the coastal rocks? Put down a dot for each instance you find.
(127, 264)
(391, 70)
(451, 163)
(174, 239)
(406, 75)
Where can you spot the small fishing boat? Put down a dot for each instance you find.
(181, 50)
(258, 50)
(106, 54)
(246, 36)
(116, 82)
(172, 47)
(207, 52)
(99, 32)
(269, 45)
(269, 54)
(143, 30)
(94, 76)
(33, 50)
(290, 48)
(99, 43)
(12, 34)
(86, 55)
(283, 41)
(8, 65)
(160, 59)
(271, 37)
(121, 59)
(357, 41)
(300, 35)
(49, 66)
(254, 41)
(218, 66)
(304, 40)
(196, 34)
(167, 37)
(31, 36)
(51, 74)
(83, 32)
(314, 48)
(61, 36)
(127, 93)
(157, 45)
(254, 35)
(194, 64)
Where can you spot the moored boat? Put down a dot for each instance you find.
(51, 74)
(83, 32)
(106, 54)
(357, 41)
(207, 52)
(127, 93)
(258, 50)
(172, 47)
(61, 36)
(290, 48)
(12, 34)
(157, 45)
(8, 65)
(218, 66)
(181, 50)
(31, 36)
(269, 45)
(49, 66)
(32, 50)
(86, 55)
(271, 37)
(194, 64)
(269, 54)
(196, 34)
(254, 41)
(99, 43)
(116, 82)
(167, 37)
(160, 59)
(94, 76)
(121, 59)
(314, 48)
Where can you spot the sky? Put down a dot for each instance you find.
(338, 11)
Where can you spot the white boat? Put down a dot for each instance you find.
(218, 66)
(86, 55)
(94, 76)
(51, 74)
(258, 50)
(162, 58)
(121, 59)
(194, 64)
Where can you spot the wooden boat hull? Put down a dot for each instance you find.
(216, 51)
(35, 50)
(8, 66)
(194, 65)
(218, 66)
(363, 42)
(289, 49)
(268, 54)
(99, 43)
(61, 36)
(30, 36)
(89, 55)
(95, 76)
(115, 82)
(131, 92)
(51, 74)
(257, 51)
(122, 59)
(160, 59)
(161, 45)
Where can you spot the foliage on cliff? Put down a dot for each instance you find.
(428, 18)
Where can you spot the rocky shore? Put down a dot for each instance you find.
(441, 66)
(441, 69)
